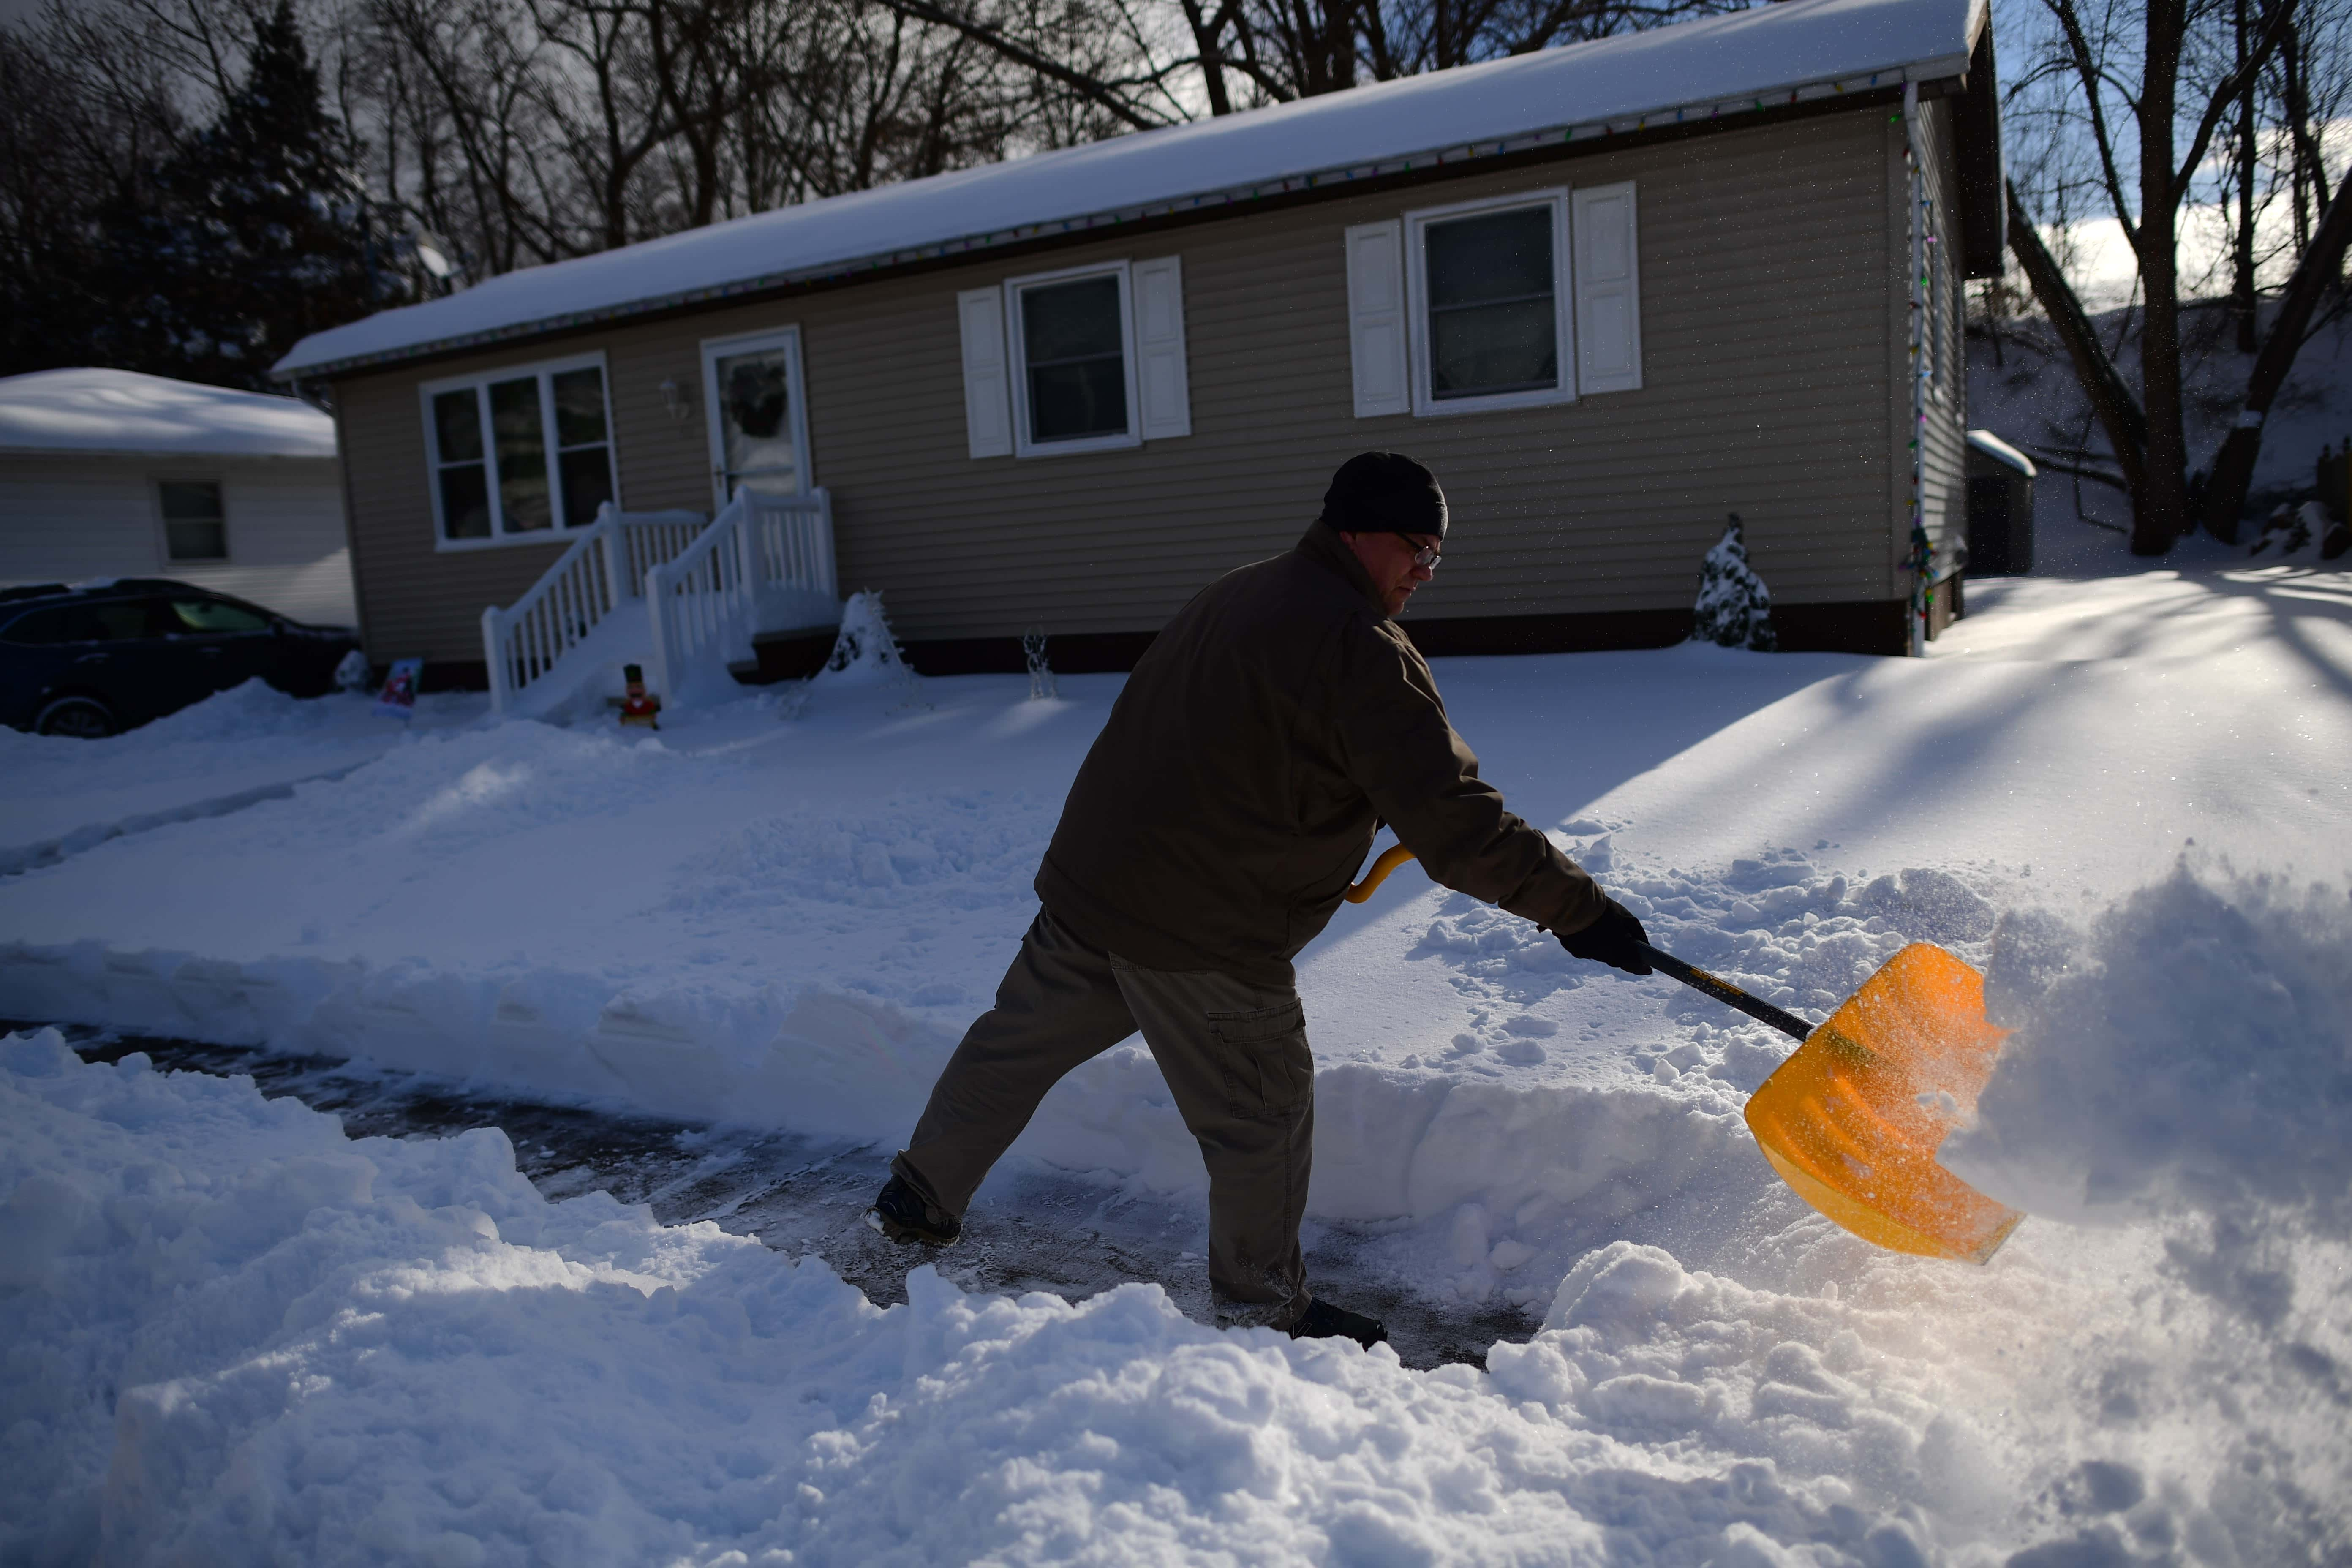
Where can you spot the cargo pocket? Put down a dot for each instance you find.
(1269, 1073)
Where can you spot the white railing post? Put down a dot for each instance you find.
(826, 579)
(608, 524)
(494, 659)
(659, 614)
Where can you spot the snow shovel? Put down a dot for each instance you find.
(1854, 1118)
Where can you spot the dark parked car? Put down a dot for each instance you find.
(97, 659)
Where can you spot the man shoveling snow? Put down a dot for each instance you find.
(1280, 719)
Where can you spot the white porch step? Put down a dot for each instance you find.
(665, 591)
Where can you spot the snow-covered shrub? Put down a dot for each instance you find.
(865, 653)
(1735, 608)
(354, 673)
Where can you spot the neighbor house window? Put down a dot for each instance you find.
(519, 453)
(1489, 294)
(194, 527)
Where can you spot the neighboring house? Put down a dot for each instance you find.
(110, 473)
(1610, 293)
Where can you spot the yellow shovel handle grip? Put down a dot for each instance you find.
(1394, 856)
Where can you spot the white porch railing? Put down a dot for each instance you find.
(705, 601)
(601, 570)
(791, 542)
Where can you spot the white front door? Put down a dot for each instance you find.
(759, 420)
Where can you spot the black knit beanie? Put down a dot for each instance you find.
(1384, 492)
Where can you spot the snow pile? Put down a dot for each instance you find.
(60, 797)
(1733, 609)
(255, 710)
(2191, 1052)
(235, 1335)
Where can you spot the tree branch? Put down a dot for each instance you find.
(2119, 411)
(1094, 91)
(2233, 465)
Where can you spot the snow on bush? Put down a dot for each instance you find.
(1733, 609)
(864, 652)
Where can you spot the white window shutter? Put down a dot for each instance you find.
(987, 391)
(1160, 377)
(1376, 319)
(1608, 289)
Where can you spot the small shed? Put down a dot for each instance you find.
(2000, 508)
(112, 473)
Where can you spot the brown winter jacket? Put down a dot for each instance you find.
(1263, 739)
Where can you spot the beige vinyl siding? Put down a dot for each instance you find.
(97, 515)
(1945, 436)
(1767, 371)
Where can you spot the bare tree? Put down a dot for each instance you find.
(2122, 103)
(87, 113)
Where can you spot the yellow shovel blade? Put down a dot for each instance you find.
(1853, 1120)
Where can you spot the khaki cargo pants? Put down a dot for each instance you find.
(1235, 1058)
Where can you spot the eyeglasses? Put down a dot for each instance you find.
(1426, 557)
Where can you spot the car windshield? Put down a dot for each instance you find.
(216, 616)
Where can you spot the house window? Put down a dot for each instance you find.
(1489, 285)
(1494, 324)
(1082, 360)
(1073, 358)
(519, 453)
(1073, 340)
(195, 527)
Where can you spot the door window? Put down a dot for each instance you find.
(47, 629)
(756, 420)
(133, 620)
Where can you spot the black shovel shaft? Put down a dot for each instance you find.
(1726, 992)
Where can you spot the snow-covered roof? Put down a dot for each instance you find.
(2000, 451)
(1748, 60)
(95, 410)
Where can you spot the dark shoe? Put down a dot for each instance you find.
(1322, 1321)
(902, 1217)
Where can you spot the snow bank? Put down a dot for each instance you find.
(2191, 1051)
(59, 796)
(235, 1335)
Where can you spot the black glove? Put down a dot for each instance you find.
(1615, 939)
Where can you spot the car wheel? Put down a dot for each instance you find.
(84, 717)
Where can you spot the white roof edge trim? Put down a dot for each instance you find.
(1936, 67)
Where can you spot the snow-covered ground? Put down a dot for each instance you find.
(216, 757)
(235, 1333)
